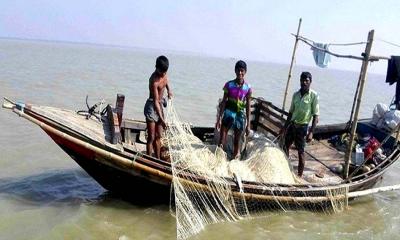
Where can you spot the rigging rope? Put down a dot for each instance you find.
(390, 43)
(331, 53)
(334, 44)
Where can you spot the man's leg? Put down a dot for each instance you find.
(288, 140)
(236, 140)
(157, 142)
(300, 142)
(150, 136)
(300, 168)
(227, 121)
(222, 137)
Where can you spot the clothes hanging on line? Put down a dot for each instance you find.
(321, 57)
(393, 76)
(393, 70)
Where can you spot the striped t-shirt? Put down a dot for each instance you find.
(236, 95)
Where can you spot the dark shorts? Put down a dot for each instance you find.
(296, 134)
(150, 111)
(234, 120)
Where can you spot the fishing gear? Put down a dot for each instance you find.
(98, 114)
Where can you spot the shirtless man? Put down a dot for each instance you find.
(152, 110)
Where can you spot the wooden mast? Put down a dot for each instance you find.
(363, 77)
(291, 65)
(354, 100)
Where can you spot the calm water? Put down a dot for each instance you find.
(45, 195)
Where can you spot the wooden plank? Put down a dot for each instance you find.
(320, 157)
(273, 113)
(119, 106)
(268, 129)
(273, 107)
(266, 119)
(114, 125)
(134, 124)
(90, 128)
(127, 135)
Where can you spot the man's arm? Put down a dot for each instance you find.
(315, 112)
(169, 91)
(221, 110)
(311, 130)
(156, 102)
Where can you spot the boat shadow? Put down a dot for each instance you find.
(66, 187)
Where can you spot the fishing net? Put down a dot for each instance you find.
(208, 188)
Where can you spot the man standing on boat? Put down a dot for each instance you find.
(303, 108)
(153, 108)
(234, 110)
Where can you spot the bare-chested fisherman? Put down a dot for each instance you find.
(153, 108)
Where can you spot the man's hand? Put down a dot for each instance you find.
(163, 124)
(218, 125)
(309, 137)
(282, 131)
(247, 130)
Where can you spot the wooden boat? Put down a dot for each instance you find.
(125, 169)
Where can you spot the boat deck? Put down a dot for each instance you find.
(90, 128)
(320, 158)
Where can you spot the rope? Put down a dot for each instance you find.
(333, 44)
(390, 43)
(331, 53)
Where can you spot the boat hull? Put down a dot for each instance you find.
(129, 185)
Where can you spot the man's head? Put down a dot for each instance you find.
(240, 69)
(305, 81)
(162, 64)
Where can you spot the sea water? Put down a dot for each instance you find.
(44, 194)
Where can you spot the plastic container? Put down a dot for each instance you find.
(359, 155)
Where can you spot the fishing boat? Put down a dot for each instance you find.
(124, 168)
(111, 149)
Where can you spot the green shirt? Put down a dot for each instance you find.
(303, 108)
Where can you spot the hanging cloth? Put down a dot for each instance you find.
(393, 70)
(321, 58)
(393, 76)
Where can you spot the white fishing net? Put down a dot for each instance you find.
(208, 188)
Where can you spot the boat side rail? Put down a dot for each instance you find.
(133, 131)
(267, 117)
(380, 168)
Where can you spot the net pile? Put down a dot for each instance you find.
(207, 188)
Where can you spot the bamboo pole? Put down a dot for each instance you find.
(291, 65)
(373, 190)
(355, 98)
(363, 77)
(397, 135)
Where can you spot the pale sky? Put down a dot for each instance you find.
(249, 30)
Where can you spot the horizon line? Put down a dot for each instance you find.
(184, 52)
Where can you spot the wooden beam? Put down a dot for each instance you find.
(363, 77)
(291, 65)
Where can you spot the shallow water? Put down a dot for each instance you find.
(44, 194)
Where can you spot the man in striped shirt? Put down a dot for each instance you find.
(235, 108)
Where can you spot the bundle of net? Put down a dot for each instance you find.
(203, 177)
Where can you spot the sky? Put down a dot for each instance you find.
(250, 30)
